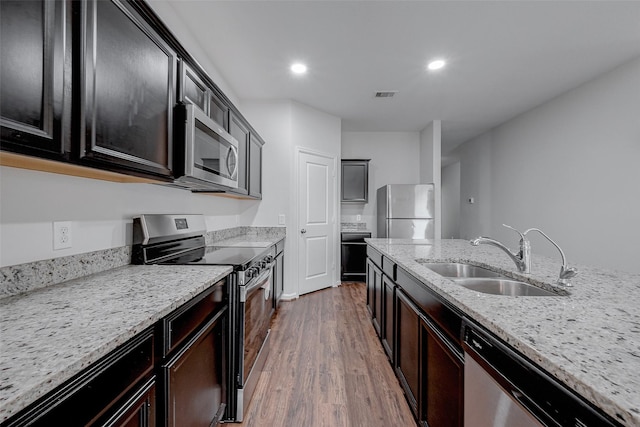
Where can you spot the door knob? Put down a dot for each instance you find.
(303, 231)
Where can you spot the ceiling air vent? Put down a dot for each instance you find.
(386, 93)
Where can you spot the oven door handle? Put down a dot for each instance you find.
(258, 283)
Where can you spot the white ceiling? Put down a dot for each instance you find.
(504, 57)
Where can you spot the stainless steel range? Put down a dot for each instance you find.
(179, 239)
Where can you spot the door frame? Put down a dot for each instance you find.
(334, 229)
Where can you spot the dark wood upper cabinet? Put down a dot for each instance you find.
(239, 130)
(192, 89)
(355, 181)
(128, 93)
(255, 166)
(218, 110)
(34, 84)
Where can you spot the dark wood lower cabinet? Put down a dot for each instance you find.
(139, 411)
(195, 380)
(408, 348)
(99, 393)
(374, 286)
(172, 374)
(441, 402)
(388, 323)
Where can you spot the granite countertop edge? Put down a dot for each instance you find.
(585, 339)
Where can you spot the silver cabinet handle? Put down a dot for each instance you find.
(303, 231)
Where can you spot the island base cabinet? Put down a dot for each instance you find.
(387, 329)
(374, 295)
(408, 349)
(442, 400)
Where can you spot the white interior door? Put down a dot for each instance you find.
(316, 219)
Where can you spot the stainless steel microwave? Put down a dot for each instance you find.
(207, 154)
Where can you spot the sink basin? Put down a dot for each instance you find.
(502, 286)
(483, 280)
(456, 269)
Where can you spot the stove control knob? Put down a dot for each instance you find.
(252, 272)
(269, 259)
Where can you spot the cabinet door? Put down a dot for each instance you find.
(377, 320)
(408, 348)
(355, 181)
(374, 294)
(34, 111)
(255, 166)
(218, 110)
(370, 287)
(239, 130)
(192, 88)
(279, 279)
(195, 379)
(129, 91)
(139, 411)
(442, 403)
(387, 329)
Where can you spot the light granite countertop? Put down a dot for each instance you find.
(50, 334)
(589, 339)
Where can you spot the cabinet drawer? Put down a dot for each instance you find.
(442, 314)
(184, 321)
(389, 268)
(374, 255)
(94, 392)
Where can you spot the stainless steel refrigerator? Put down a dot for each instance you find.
(406, 211)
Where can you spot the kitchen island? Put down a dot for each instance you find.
(587, 339)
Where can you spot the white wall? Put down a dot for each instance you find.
(166, 11)
(286, 125)
(451, 201)
(100, 212)
(395, 159)
(569, 167)
(430, 159)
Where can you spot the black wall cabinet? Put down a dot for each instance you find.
(129, 92)
(355, 181)
(255, 166)
(240, 131)
(95, 83)
(34, 79)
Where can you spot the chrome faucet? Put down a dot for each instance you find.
(566, 273)
(522, 258)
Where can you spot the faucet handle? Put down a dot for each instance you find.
(521, 234)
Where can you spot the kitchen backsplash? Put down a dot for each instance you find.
(21, 278)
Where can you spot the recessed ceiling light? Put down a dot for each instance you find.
(436, 64)
(298, 68)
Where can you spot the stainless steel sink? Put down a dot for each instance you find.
(456, 269)
(503, 286)
(483, 280)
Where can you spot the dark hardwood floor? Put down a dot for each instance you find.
(327, 367)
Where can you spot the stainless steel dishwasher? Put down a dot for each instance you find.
(503, 389)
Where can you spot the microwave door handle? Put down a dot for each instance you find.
(233, 150)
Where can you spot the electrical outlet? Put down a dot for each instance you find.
(358, 217)
(61, 235)
(281, 219)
